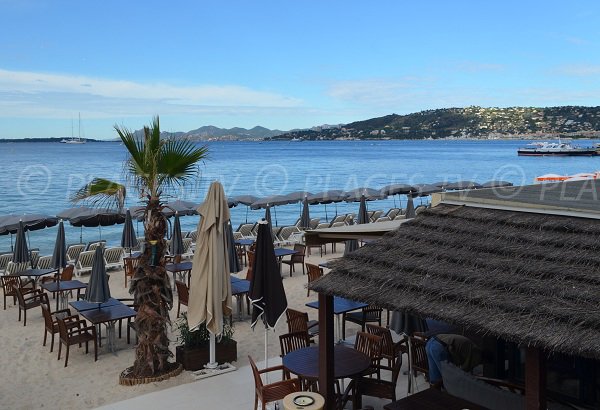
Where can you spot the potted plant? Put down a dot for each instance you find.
(193, 351)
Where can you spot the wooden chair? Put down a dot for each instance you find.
(376, 387)
(249, 273)
(28, 300)
(71, 331)
(293, 341)
(11, 283)
(390, 351)
(268, 393)
(370, 345)
(130, 265)
(51, 320)
(297, 321)
(417, 360)
(183, 295)
(314, 273)
(296, 258)
(369, 314)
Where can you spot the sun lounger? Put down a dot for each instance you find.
(383, 219)
(84, 262)
(34, 256)
(73, 252)
(14, 268)
(113, 257)
(193, 235)
(44, 262)
(246, 230)
(5, 258)
(314, 222)
(94, 244)
(188, 249)
(338, 218)
(376, 215)
(289, 235)
(399, 217)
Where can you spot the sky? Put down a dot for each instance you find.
(284, 64)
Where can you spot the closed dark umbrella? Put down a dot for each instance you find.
(305, 217)
(21, 252)
(234, 262)
(97, 289)
(410, 208)
(266, 289)
(176, 245)
(128, 239)
(363, 218)
(59, 256)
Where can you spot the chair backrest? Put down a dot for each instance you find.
(13, 268)
(4, 259)
(182, 292)
(370, 345)
(73, 251)
(94, 244)
(275, 232)
(44, 262)
(293, 341)
(297, 321)
(34, 256)
(67, 273)
(113, 255)
(130, 264)
(339, 218)
(10, 284)
(372, 313)
(63, 333)
(187, 244)
(387, 343)
(322, 225)
(338, 224)
(287, 231)
(301, 253)
(419, 209)
(249, 272)
(258, 384)
(314, 272)
(48, 322)
(314, 222)
(392, 213)
(417, 354)
(86, 259)
(237, 235)
(376, 215)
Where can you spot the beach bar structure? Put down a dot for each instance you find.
(517, 265)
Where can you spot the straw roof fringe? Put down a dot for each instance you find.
(533, 279)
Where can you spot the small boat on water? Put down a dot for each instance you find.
(559, 178)
(74, 140)
(559, 149)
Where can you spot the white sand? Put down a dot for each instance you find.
(31, 377)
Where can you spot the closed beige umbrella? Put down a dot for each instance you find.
(210, 285)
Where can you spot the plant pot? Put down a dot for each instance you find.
(194, 358)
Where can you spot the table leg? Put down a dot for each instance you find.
(64, 299)
(338, 326)
(110, 336)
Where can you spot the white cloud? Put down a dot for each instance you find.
(31, 94)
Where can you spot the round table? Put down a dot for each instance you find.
(347, 363)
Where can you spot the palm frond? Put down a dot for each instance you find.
(178, 161)
(102, 191)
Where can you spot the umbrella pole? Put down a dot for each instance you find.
(81, 234)
(11, 244)
(326, 218)
(275, 210)
(247, 207)
(100, 230)
(266, 344)
(212, 363)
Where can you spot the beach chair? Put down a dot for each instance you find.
(314, 273)
(5, 258)
(183, 295)
(78, 333)
(376, 215)
(246, 230)
(91, 246)
(314, 222)
(275, 391)
(34, 256)
(73, 252)
(44, 262)
(297, 321)
(51, 321)
(275, 232)
(130, 265)
(296, 258)
(193, 235)
(84, 262)
(383, 219)
(28, 300)
(188, 249)
(13, 268)
(419, 209)
(392, 212)
(400, 217)
(338, 218)
(350, 219)
(237, 235)
(113, 257)
(290, 235)
(369, 314)
(11, 283)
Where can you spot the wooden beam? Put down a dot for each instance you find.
(326, 342)
(535, 379)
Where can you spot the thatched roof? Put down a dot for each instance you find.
(529, 278)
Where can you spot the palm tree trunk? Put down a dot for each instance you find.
(153, 295)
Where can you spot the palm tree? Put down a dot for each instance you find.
(153, 165)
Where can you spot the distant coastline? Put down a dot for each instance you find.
(53, 139)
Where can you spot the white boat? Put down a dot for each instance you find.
(560, 148)
(74, 140)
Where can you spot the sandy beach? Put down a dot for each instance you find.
(33, 378)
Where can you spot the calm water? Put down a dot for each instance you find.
(40, 177)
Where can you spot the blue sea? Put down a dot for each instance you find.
(41, 177)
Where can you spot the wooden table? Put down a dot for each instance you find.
(182, 269)
(109, 315)
(340, 306)
(81, 305)
(432, 399)
(347, 363)
(64, 288)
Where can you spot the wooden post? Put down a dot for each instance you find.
(535, 379)
(326, 342)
